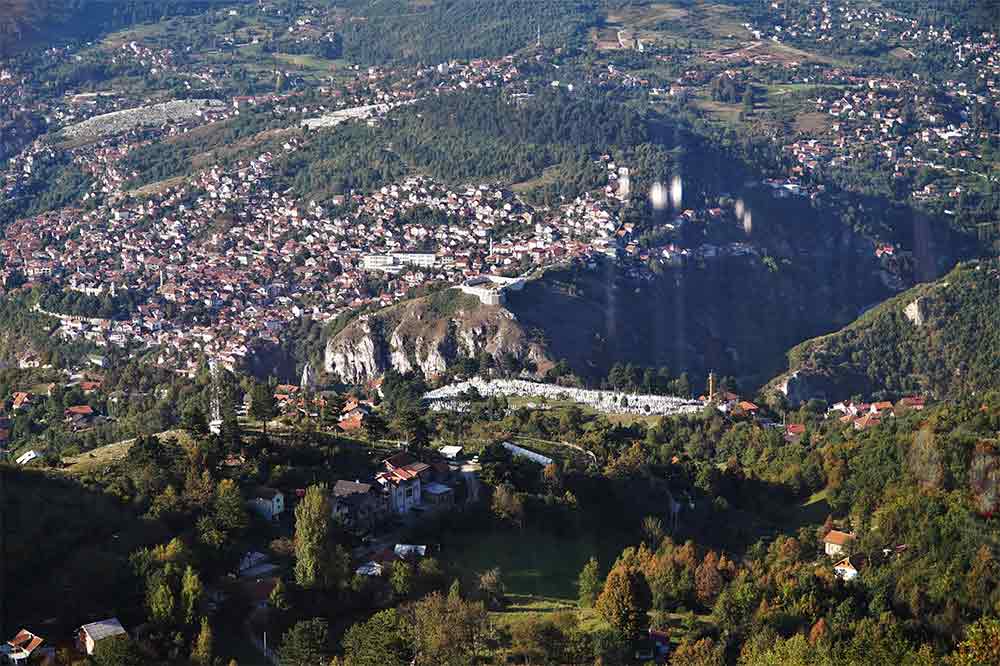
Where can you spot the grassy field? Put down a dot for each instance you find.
(727, 114)
(539, 568)
(108, 454)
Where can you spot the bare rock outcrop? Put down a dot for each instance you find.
(417, 334)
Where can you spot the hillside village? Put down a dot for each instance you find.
(230, 230)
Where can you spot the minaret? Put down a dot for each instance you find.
(538, 39)
(711, 386)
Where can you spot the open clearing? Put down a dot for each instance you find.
(812, 123)
(538, 567)
(109, 454)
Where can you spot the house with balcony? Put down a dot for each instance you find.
(402, 481)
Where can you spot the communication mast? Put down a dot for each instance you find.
(215, 401)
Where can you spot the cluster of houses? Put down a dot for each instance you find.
(868, 117)
(27, 647)
(278, 259)
(862, 416)
(837, 546)
(403, 485)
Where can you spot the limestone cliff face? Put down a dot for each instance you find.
(427, 334)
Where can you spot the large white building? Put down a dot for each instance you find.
(395, 262)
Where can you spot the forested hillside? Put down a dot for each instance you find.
(940, 338)
(397, 30)
(22, 21)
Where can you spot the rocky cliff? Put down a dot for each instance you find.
(428, 334)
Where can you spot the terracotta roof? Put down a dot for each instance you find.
(401, 459)
(348, 488)
(352, 422)
(838, 538)
(25, 641)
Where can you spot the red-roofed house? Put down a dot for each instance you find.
(912, 402)
(21, 399)
(867, 421)
(78, 410)
(794, 431)
(20, 648)
(835, 543)
(402, 480)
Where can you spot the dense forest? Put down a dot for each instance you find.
(741, 578)
(396, 30)
(940, 338)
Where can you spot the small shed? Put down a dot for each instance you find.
(89, 635)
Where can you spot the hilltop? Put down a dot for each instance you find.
(735, 316)
(939, 338)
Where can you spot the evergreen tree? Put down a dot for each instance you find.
(375, 427)
(201, 651)
(589, 583)
(193, 420)
(319, 564)
(161, 602)
(191, 595)
(262, 404)
(279, 597)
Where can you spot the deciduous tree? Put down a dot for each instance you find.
(304, 644)
(625, 601)
(384, 639)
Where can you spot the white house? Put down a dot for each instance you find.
(267, 503)
(402, 481)
(89, 635)
(835, 543)
(451, 452)
(848, 568)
